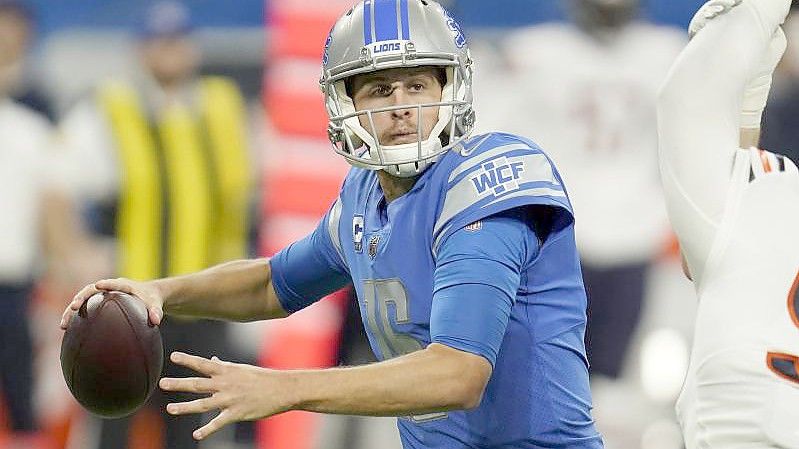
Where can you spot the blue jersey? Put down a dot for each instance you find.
(538, 394)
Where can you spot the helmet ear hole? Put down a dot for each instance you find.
(441, 76)
(348, 87)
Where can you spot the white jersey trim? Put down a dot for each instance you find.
(739, 179)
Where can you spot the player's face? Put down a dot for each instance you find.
(171, 60)
(600, 15)
(398, 87)
(14, 32)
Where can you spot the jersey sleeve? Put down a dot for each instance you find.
(477, 275)
(310, 269)
(699, 109)
(512, 173)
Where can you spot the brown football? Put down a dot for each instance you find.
(110, 355)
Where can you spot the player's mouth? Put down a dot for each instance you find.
(402, 137)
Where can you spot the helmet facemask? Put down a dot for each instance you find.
(358, 142)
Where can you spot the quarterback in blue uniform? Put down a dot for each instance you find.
(461, 251)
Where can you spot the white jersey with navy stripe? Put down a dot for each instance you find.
(743, 385)
(736, 213)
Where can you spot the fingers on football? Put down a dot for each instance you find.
(221, 420)
(155, 314)
(188, 384)
(154, 311)
(199, 364)
(118, 284)
(82, 296)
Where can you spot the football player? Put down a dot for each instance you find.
(734, 208)
(461, 250)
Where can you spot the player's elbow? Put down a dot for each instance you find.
(471, 396)
(466, 377)
(464, 390)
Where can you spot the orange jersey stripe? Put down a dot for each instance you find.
(765, 161)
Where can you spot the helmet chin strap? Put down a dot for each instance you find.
(409, 170)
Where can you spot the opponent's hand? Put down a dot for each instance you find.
(709, 11)
(757, 90)
(239, 392)
(146, 291)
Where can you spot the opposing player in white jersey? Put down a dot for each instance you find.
(736, 211)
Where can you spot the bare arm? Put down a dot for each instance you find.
(699, 110)
(435, 379)
(240, 291)
(750, 137)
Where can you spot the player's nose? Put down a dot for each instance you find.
(400, 98)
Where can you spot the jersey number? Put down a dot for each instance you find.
(787, 365)
(380, 295)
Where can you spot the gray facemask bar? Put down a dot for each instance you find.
(348, 149)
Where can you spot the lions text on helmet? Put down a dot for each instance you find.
(397, 85)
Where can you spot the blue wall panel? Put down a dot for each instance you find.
(474, 13)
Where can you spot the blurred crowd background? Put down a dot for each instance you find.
(146, 138)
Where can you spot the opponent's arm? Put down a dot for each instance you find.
(750, 137)
(700, 115)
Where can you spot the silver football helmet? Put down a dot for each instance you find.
(385, 34)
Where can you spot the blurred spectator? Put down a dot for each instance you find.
(28, 181)
(16, 33)
(169, 183)
(781, 117)
(586, 91)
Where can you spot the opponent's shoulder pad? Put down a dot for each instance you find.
(492, 173)
(763, 163)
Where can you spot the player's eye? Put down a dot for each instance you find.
(382, 90)
(417, 87)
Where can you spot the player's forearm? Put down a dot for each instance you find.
(699, 113)
(750, 137)
(704, 89)
(238, 291)
(426, 381)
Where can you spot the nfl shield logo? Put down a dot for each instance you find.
(357, 233)
(373, 246)
(474, 227)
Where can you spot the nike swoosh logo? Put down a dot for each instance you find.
(468, 152)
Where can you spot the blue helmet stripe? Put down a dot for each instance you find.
(406, 25)
(367, 22)
(386, 20)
